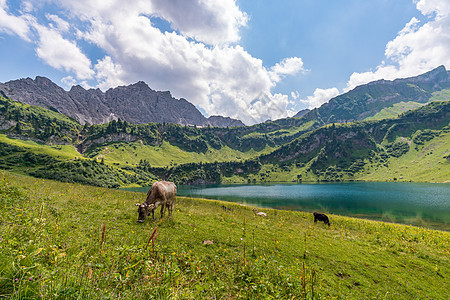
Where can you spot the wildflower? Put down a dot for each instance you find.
(31, 278)
(16, 279)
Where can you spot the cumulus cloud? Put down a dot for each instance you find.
(199, 59)
(108, 74)
(11, 24)
(288, 66)
(68, 81)
(61, 53)
(208, 21)
(60, 24)
(319, 97)
(418, 47)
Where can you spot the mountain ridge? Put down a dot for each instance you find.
(136, 103)
(367, 100)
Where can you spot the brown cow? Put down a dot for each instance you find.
(162, 193)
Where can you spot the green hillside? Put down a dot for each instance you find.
(353, 151)
(368, 100)
(443, 95)
(395, 110)
(34, 122)
(412, 146)
(67, 241)
(167, 155)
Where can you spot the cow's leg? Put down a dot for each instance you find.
(163, 206)
(170, 208)
(153, 214)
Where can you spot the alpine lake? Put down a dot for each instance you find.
(417, 204)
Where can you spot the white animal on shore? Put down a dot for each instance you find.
(259, 213)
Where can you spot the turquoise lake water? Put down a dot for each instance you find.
(419, 204)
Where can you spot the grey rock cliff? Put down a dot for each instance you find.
(136, 103)
(219, 121)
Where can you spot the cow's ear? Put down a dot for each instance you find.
(137, 204)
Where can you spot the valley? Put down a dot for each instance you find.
(413, 146)
(69, 232)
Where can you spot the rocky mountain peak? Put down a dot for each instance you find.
(77, 88)
(136, 103)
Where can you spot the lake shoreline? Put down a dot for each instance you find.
(417, 204)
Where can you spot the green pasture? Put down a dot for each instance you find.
(68, 241)
(168, 155)
(63, 152)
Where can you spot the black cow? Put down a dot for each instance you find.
(321, 218)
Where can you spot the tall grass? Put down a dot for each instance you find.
(65, 241)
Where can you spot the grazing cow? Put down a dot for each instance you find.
(162, 193)
(321, 218)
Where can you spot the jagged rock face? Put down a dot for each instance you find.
(219, 121)
(41, 91)
(136, 103)
(144, 105)
(91, 108)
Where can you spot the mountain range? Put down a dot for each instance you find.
(136, 103)
(369, 99)
(384, 130)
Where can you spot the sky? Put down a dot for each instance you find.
(254, 60)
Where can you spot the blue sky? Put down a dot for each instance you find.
(333, 38)
(252, 60)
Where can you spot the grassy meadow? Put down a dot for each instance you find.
(395, 110)
(63, 152)
(168, 155)
(68, 241)
(427, 163)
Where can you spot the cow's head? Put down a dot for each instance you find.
(144, 210)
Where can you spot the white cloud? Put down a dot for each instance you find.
(198, 61)
(11, 24)
(288, 66)
(218, 77)
(61, 53)
(295, 95)
(270, 107)
(60, 24)
(208, 21)
(68, 82)
(27, 6)
(108, 74)
(439, 7)
(319, 97)
(417, 48)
